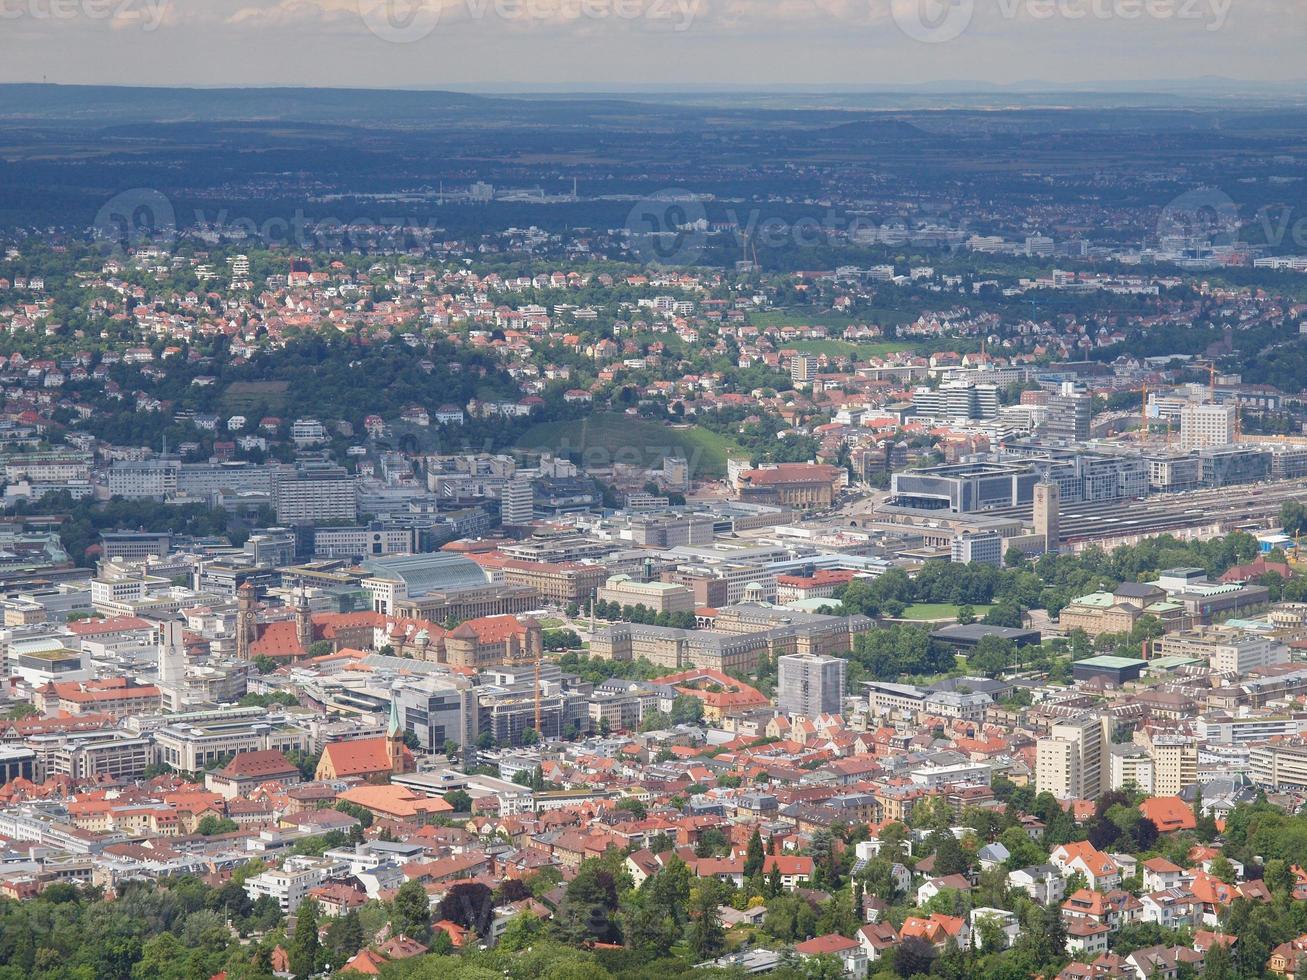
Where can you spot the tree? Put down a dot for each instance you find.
(990, 933)
(459, 800)
(754, 857)
(712, 842)
(410, 912)
(705, 937)
(966, 615)
(214, 824)
(654, 917)
(360, 813)
(632, 805)
(686, 710)
(470, 905)
(789, 918)
(1217, 963)
(992, 655)
(522, 932)
(1223, 869)
(950, 858)
(1005, 613)
(590, 905)
(304, 950)
(838, 916)
(344, 937)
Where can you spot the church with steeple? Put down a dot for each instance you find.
(375, 758)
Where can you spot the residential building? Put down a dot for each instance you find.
(810, 686)
(1072, 761)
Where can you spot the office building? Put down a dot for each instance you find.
(376, 539)
(145, 478)
(1279, 766)
(1225, 649)
(439, 710)
(1069, 414)
(517, 503)
(1207, 426)
(956, 400)
(981, 547)
(1009, 480)
(810, 686)
(316, 494)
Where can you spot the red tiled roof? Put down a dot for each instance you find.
(253, 765)
(360, 756)
(829, 944)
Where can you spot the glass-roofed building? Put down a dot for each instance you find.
(400, 577)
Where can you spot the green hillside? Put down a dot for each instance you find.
(606, 438)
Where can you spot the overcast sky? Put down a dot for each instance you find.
(629, 44)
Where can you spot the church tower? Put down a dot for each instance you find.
(245, 623)
(304, 621)
(395, 736)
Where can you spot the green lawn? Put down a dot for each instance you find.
(605, 438)
(938, 610)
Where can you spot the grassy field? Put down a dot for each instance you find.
(871, 348)
(607, 438)
(938, 610)
(245, 396)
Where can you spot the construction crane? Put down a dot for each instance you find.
(1143, 412)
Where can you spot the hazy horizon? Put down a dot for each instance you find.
(663, 45)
